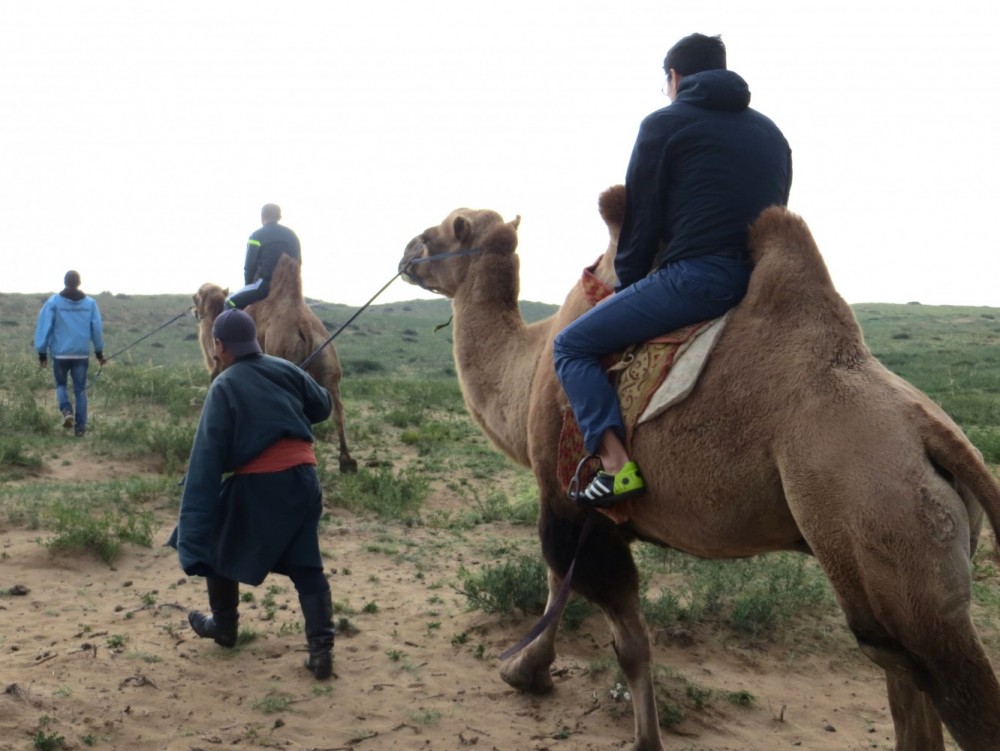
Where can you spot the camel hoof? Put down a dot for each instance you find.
(348, 466)
(527, 681)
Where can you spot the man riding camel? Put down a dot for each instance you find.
(702, 169)
(264, 250)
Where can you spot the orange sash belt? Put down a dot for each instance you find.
(281, 455)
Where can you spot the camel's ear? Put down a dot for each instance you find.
(462, 228)
(516, 222)
(225, 292)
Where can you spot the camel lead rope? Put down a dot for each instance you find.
(560, 601)
(141, 338)
(350, 320)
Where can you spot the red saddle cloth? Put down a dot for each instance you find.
(638, 373)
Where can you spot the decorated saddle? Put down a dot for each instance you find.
(650, 378)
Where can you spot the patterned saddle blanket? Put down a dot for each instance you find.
(650, 378)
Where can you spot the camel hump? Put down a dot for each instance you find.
(286, 280)
(611, 204)
(776, 226)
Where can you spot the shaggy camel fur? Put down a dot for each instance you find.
(286, 328)
(796, 438)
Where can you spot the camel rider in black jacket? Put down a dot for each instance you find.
(264, 249)
(702, 170)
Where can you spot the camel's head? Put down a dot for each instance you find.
(439, 258)
(209, 301)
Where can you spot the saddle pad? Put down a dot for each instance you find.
(688, 363)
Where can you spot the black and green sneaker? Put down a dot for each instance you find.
(607, 489)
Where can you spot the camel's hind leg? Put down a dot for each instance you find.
(941, 675)
(904, 581)
(348, 465)
(913, 715)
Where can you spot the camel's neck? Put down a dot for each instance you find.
(496, 353)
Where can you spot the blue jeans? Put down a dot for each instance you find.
(680, 293)
(75, 367)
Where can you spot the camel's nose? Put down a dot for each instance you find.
(416, 248)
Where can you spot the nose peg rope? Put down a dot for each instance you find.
(403, 272)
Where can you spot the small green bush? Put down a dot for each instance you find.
(48, 741)
(14, 453)
(508, 586)
(102, 532)
(380, 491)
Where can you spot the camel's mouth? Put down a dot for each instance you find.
(405, 272)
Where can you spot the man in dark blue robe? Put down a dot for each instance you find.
(252, 498)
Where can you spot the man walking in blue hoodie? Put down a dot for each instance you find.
(67, 324)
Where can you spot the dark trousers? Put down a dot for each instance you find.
(250, 294)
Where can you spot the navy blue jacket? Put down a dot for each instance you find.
(702, 169)
(244, 526)
(264, 249)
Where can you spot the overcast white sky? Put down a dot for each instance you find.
(139, 139)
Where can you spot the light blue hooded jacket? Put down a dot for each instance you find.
(67, 326)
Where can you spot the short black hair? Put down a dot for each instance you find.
(72, 279)
(270, 213)
(695, 53)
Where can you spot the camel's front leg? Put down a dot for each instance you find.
(529, 669)
(631, 643)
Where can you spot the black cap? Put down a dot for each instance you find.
(236, 330)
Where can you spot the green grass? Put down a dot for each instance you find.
(382, 492)
(91, 517)
(408, 426)
(751, 597)
(273, 702)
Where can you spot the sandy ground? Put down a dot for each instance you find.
(103, 657)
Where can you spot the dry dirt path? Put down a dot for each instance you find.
(102, 657)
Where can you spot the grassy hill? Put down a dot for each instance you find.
(950, 352)
(397, 339)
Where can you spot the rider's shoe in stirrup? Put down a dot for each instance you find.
(607, 489)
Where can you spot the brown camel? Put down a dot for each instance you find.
(209, 301)
(286, 328)
(796, 438)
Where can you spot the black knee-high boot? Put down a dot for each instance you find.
(223, 624)
(317, 609)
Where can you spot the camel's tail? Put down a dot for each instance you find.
(948, 447)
